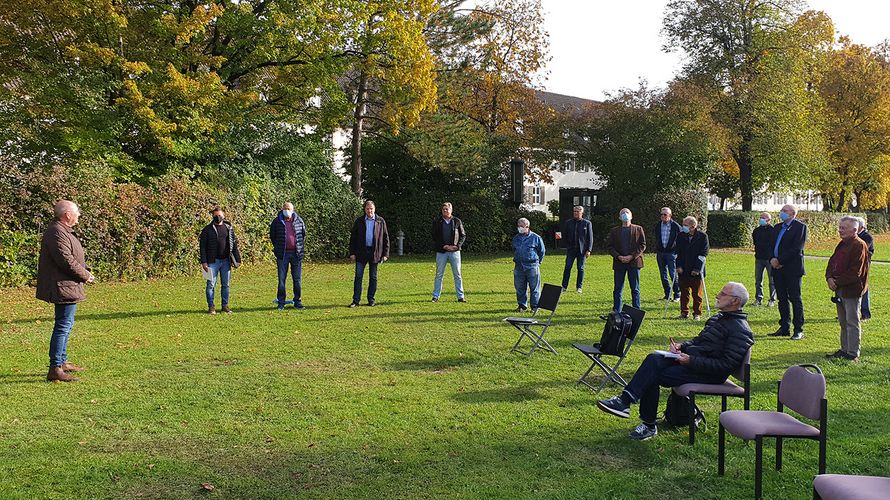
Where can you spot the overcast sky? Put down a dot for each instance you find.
(598, 46)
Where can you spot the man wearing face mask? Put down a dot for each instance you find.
(528, 253)
(786, 246)
(692, 249)
(762, 236)
(61, 273)
(288, 235)
(219, 255)
(626, 244)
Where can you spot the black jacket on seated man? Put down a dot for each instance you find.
(721, 346)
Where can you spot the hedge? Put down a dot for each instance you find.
(732, 229)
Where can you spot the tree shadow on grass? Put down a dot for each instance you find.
(515, 394)
(433, 364)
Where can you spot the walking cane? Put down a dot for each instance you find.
(704, 286)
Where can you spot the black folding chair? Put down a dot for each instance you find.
(595, 355)
(527, 326)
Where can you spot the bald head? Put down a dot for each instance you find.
(66, 212)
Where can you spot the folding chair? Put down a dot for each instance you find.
(595, 355)
(704, 287)
(527, 325)
(725, 390)
(800, 390)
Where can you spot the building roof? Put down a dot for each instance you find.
(566, 103)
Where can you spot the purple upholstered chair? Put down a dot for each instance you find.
(800, 390)
(725, 390)
(841, 487)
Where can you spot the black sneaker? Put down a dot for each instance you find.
(521, 309)
(435, 299)
(779, 333)
(643, 432)
(838, 354)
(614, 406)
(372, 303)
(461, 299)
(354, 304)
(298, 305)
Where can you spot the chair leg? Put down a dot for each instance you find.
(822, 444)
(778, 453)
(583, 379)
(692, 420)
(758, 468)
(721, 448)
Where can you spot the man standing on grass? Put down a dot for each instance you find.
(865, 236)
(368, 247)
(528, 254)
(61, 273)
(847, 277)
(709, 358)
(666, 233)
(692, 249)
(762, 235)
(288, 235)
(577, 233)
(626, 244)
(448, 238)
(786, 248)
(219, 255)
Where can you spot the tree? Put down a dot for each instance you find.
(759, 57)
(723, 181)
(856, 91)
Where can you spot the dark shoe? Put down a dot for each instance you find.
(865, 318)
(372, 303)
(758, 303)
(298, 305)
(779, 333)
(666, 297)
(797, 336)
(683, 316)
(461, 299)
(280, 306)
(225, 309)
(643, 432)
(614, 406)
(211, 310)
(353, 304)
(521, 309)
(71, 367)
(836, 354)
(435, 299)
(771, 303)
(851, 357)
(57, 374)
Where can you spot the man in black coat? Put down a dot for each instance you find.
(448, 238)
(865, 236)
(786, 246)
(665, 233)
(368, 247)
(219, 255)
(692, 249)
(709, 358)
(762, 236)
(577, 235)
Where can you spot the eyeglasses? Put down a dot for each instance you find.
(722, 294)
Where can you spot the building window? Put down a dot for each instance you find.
(538, 195)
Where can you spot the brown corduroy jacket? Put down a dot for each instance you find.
(637, 246)
(61, 268)
(849, 267)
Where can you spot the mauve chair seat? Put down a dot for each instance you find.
(727, 388)
(750, 424)
(841, 487)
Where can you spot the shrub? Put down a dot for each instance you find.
(878, 222)
(733, 229)
(647, 211)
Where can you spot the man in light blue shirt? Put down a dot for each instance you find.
(528, 253)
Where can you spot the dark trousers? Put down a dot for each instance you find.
(866, 305)
(573, 256)
(367, 259)
(296, 270)
(788, 293)
(667, 267)
(657, 371)
(691, 284)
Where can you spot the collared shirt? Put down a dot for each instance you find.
(785, 226)
(665, 233)
(369, 230)
(447, 231)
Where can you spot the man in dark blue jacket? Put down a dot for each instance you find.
(665, 234)
(692, 249)
(869, 240)
(762, 236)
(577, 234)
(288, 235)
(786, 245)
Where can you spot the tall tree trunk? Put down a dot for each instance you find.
(746, 166)
(361, 98)
(842, 200)
(722, 204)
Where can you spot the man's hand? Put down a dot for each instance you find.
(450, 248)
(91, 279)
(695, 273)
(679, 270)
(674, 347)
(683, 359)
(775, 263)
(624, 258)
(831, 284)
(586, 254)
(385, 259)
(205, 267)
(352, 258)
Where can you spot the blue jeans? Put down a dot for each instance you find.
(296, 272)
(58, 344)
(633, 278)
(655, 371)
(441, 259)
(526, 280)
(573, 256)
(222, 270)
(667, 267)
(866, 305)
(359, 276)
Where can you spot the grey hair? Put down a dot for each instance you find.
(578, 207)
(850, 218)
(524, 222)
(369, 202)
(668, 210)
(63, 206)
(739, 290)
(691, 219)
(861, 221)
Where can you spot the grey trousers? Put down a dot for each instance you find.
(851, 329)
(759, 266)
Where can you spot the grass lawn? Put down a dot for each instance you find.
(406, 400)
(882, 248)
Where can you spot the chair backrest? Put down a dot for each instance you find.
(803, 390)
(637, 316)
(549, 297)
(739, 373)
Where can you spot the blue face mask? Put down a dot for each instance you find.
(783, 216)
(763, 222)
(287, 213)
(625, 217)
(684, 229)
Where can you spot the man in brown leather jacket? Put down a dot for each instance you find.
(626, 244)
(847, 275)
(61, 273)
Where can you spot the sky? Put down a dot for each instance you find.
(601, 46)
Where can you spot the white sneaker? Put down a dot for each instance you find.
(578, 290)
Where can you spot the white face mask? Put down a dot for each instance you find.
(287, 213)
(522, 230)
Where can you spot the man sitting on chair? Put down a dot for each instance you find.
(709, 358)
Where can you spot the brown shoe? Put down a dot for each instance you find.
(56, 374)
(71, 367)
(211, 310)
(226, 309)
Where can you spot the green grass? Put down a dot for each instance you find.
(882, 248)
(409, 399)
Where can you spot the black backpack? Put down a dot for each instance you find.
(676, 413)
(617, 329)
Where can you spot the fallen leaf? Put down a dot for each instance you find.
(208, 486)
